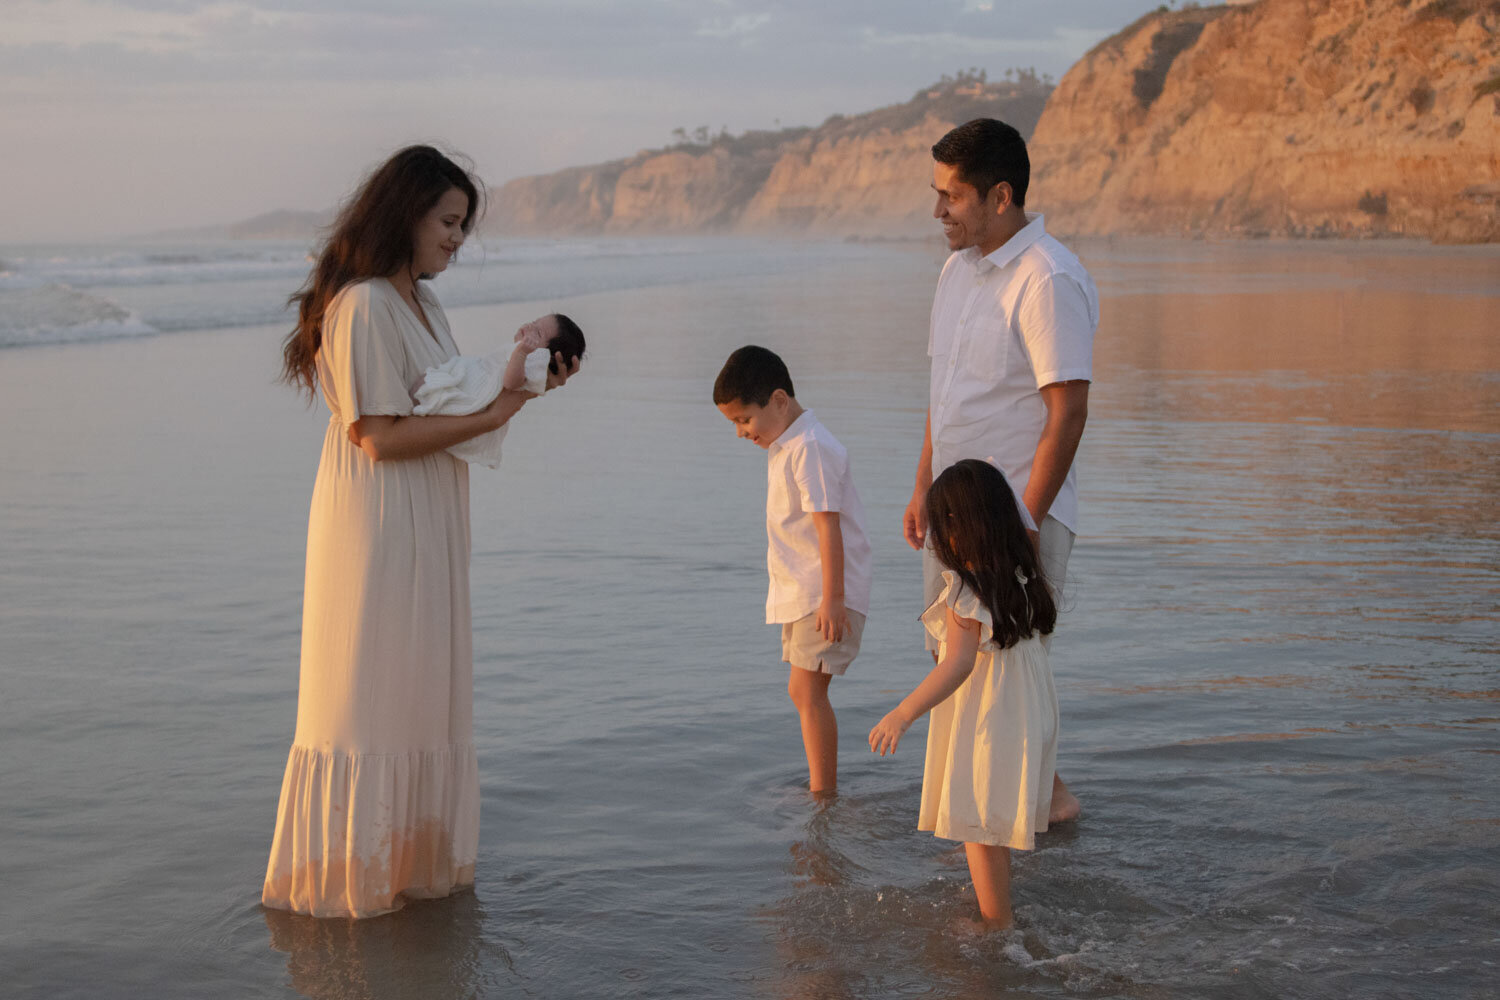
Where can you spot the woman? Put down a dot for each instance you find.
(380, 802)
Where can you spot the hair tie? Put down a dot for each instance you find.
(1023, 581)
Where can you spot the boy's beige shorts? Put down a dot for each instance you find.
(802, 645)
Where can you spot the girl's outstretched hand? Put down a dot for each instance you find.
(887, 733)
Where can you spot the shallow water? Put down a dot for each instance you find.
(1277, 664)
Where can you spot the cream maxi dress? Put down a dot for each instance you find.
(992, 745)
(380, 802)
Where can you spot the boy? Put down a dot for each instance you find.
(818, 555)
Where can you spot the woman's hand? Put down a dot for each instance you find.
(888, 732)
(564, 371)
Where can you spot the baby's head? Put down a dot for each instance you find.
(754, 390)
(563, 336)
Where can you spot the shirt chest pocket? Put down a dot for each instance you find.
(984, 348)
(782, 498)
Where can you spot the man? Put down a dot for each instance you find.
(1011, 343)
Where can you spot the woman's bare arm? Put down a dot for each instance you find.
(387, 438)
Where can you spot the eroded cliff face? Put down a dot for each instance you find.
(875, 184)
(576, 200)
(686, 192)
(866, 175)
(1282, 117)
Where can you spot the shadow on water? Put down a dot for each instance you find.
(430, 948)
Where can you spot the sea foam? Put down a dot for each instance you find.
(58, 314)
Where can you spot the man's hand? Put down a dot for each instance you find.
(833, 619)
(914, 521)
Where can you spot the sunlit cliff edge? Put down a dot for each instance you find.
(1351, 118)
(864, 175)
(1282, 117)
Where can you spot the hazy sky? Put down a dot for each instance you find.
(128, 116)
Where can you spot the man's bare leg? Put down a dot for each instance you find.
(1065, 805)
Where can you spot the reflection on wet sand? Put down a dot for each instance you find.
(430, 948)
(1411, 347)
(1405, 685)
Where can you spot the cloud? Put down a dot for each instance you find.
(738, 26)
(210, 109)
(966, 47)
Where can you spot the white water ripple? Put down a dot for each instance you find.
(58, 314)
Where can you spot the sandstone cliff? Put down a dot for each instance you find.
(1282, 117)
(863, 175)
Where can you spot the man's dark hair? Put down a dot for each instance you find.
(986, 152)
(750, 376)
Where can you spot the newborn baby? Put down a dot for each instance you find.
(467, 384)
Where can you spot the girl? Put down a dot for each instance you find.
(992, 740)
(380, 799)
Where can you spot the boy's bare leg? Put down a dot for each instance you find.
(989, 867)
(1065, 805)
(820, 730)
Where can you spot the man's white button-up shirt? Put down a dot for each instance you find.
(807, 470)
(1004, 326)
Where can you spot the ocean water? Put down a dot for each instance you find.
(1278, 663)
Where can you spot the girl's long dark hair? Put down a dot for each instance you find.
(371, 238)
(977, 532)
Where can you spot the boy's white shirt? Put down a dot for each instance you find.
(466, 384)
(807, 471)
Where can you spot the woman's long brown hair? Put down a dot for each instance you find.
(977, 531)
(371, 238)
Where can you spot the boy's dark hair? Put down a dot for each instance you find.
(568, 342)
(750, 376)
(986, 152)
(978, 533)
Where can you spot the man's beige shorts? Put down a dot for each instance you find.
(802, 645)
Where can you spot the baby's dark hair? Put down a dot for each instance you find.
(750, 376)
(568, 342)
(977, 531)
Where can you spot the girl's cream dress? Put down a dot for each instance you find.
(992, 745)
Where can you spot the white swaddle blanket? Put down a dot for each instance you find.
(467, 384)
